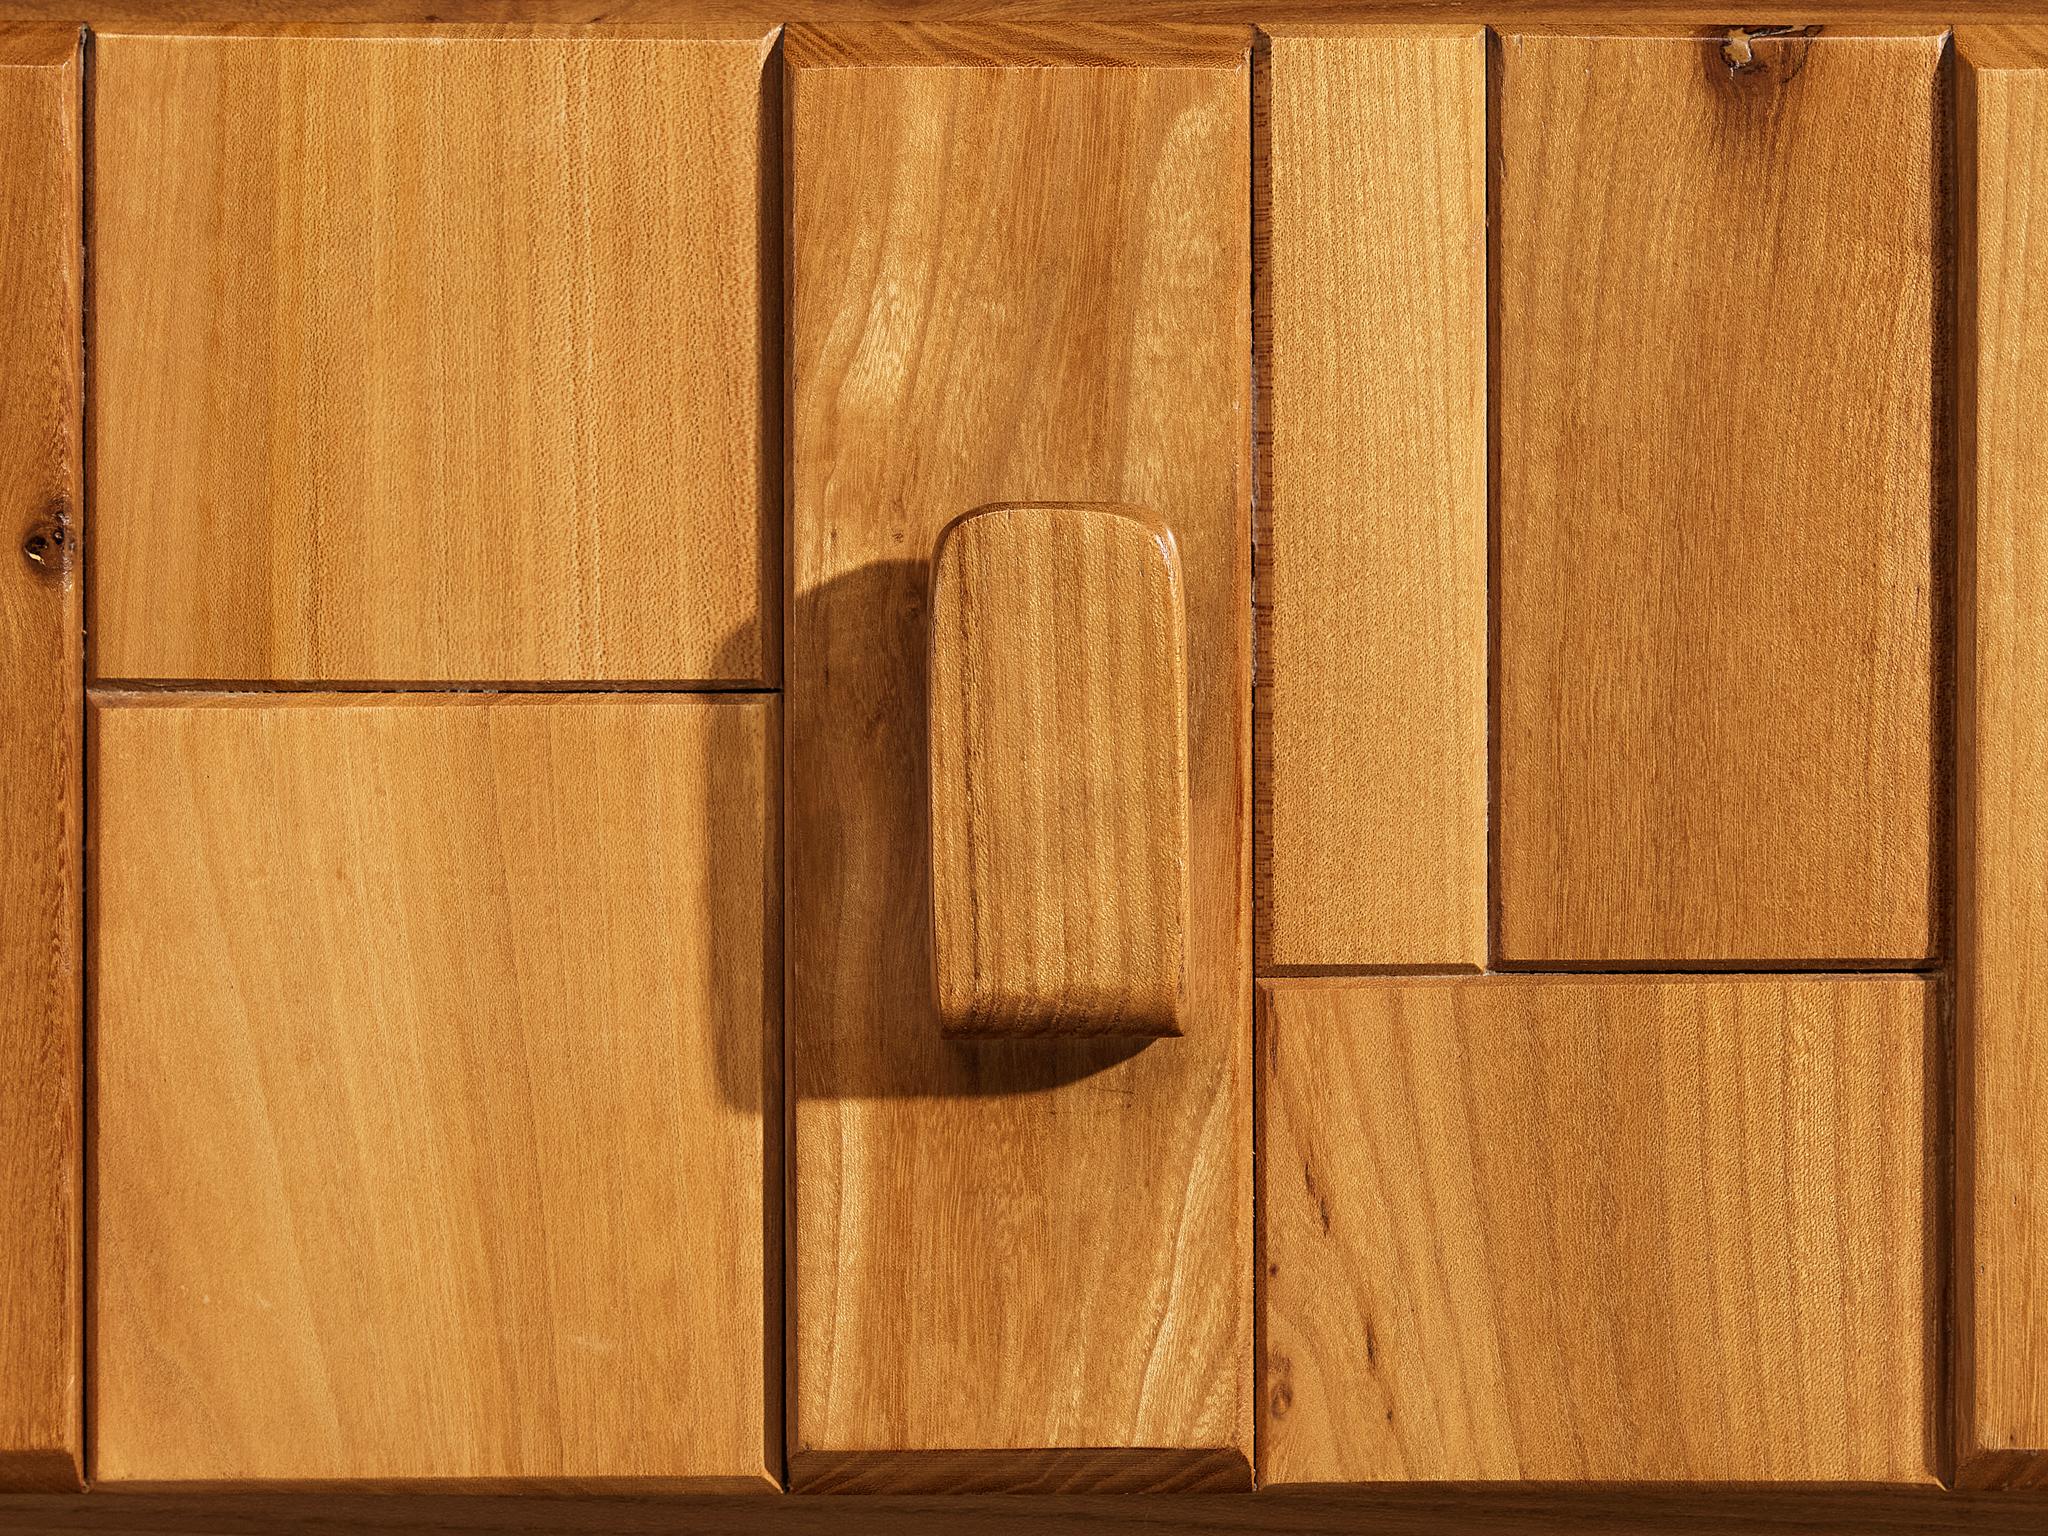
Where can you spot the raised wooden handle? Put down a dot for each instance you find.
(1059, 774)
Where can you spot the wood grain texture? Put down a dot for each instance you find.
(435, 1062)
(1371, 700)
(440, 357)
(1010, 284)
(1617, 1229)
(2002, 832)
(41, 764)
(1058, 688)
(1716, 500)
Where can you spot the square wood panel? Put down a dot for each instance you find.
(435, 355)
(1617, 1229)
(435, 1053)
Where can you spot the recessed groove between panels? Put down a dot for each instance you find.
(1847, 970)
(1853, 966)
(1750, 967)
(1363, 972)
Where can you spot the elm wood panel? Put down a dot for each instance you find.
(435, 1061)
(1371, 700)
(1010, 284)
(2002, 832)
(1058, 690)
(435, 357)
(1717, 500)
(1619, 1229)
(41, 763)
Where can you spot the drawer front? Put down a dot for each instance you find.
(434, 1053)
(434, 358)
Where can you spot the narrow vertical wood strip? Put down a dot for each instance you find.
(41, 1018)
(2002, 802)
(1371, 697)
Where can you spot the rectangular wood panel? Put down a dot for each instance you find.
(1020, 272)
(1717, 500)
(1371, 700)
(2002, 933)
(436, 1059)
(41, 768)
(1616, 1229)
(435, 355)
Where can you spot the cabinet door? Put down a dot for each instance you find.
(1020, 273)
(434, 355)
(41, 764)
(435, 1050)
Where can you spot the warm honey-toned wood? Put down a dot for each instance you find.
(435, 1056)
(434, 357)
(1371, 708)
(1059, 773)
(1627, 1229)
(1715, 574)
(1010, 284)
(2002, 832)
(41, 1003)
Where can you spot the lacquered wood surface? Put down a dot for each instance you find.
(1613, 1229)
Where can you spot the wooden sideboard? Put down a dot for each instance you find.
(1249, 768)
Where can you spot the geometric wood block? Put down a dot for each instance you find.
(440, 357)
(1717, 287)
(436, 1059)
(1059, 774)
(1603, 1229)
(1372, 626)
